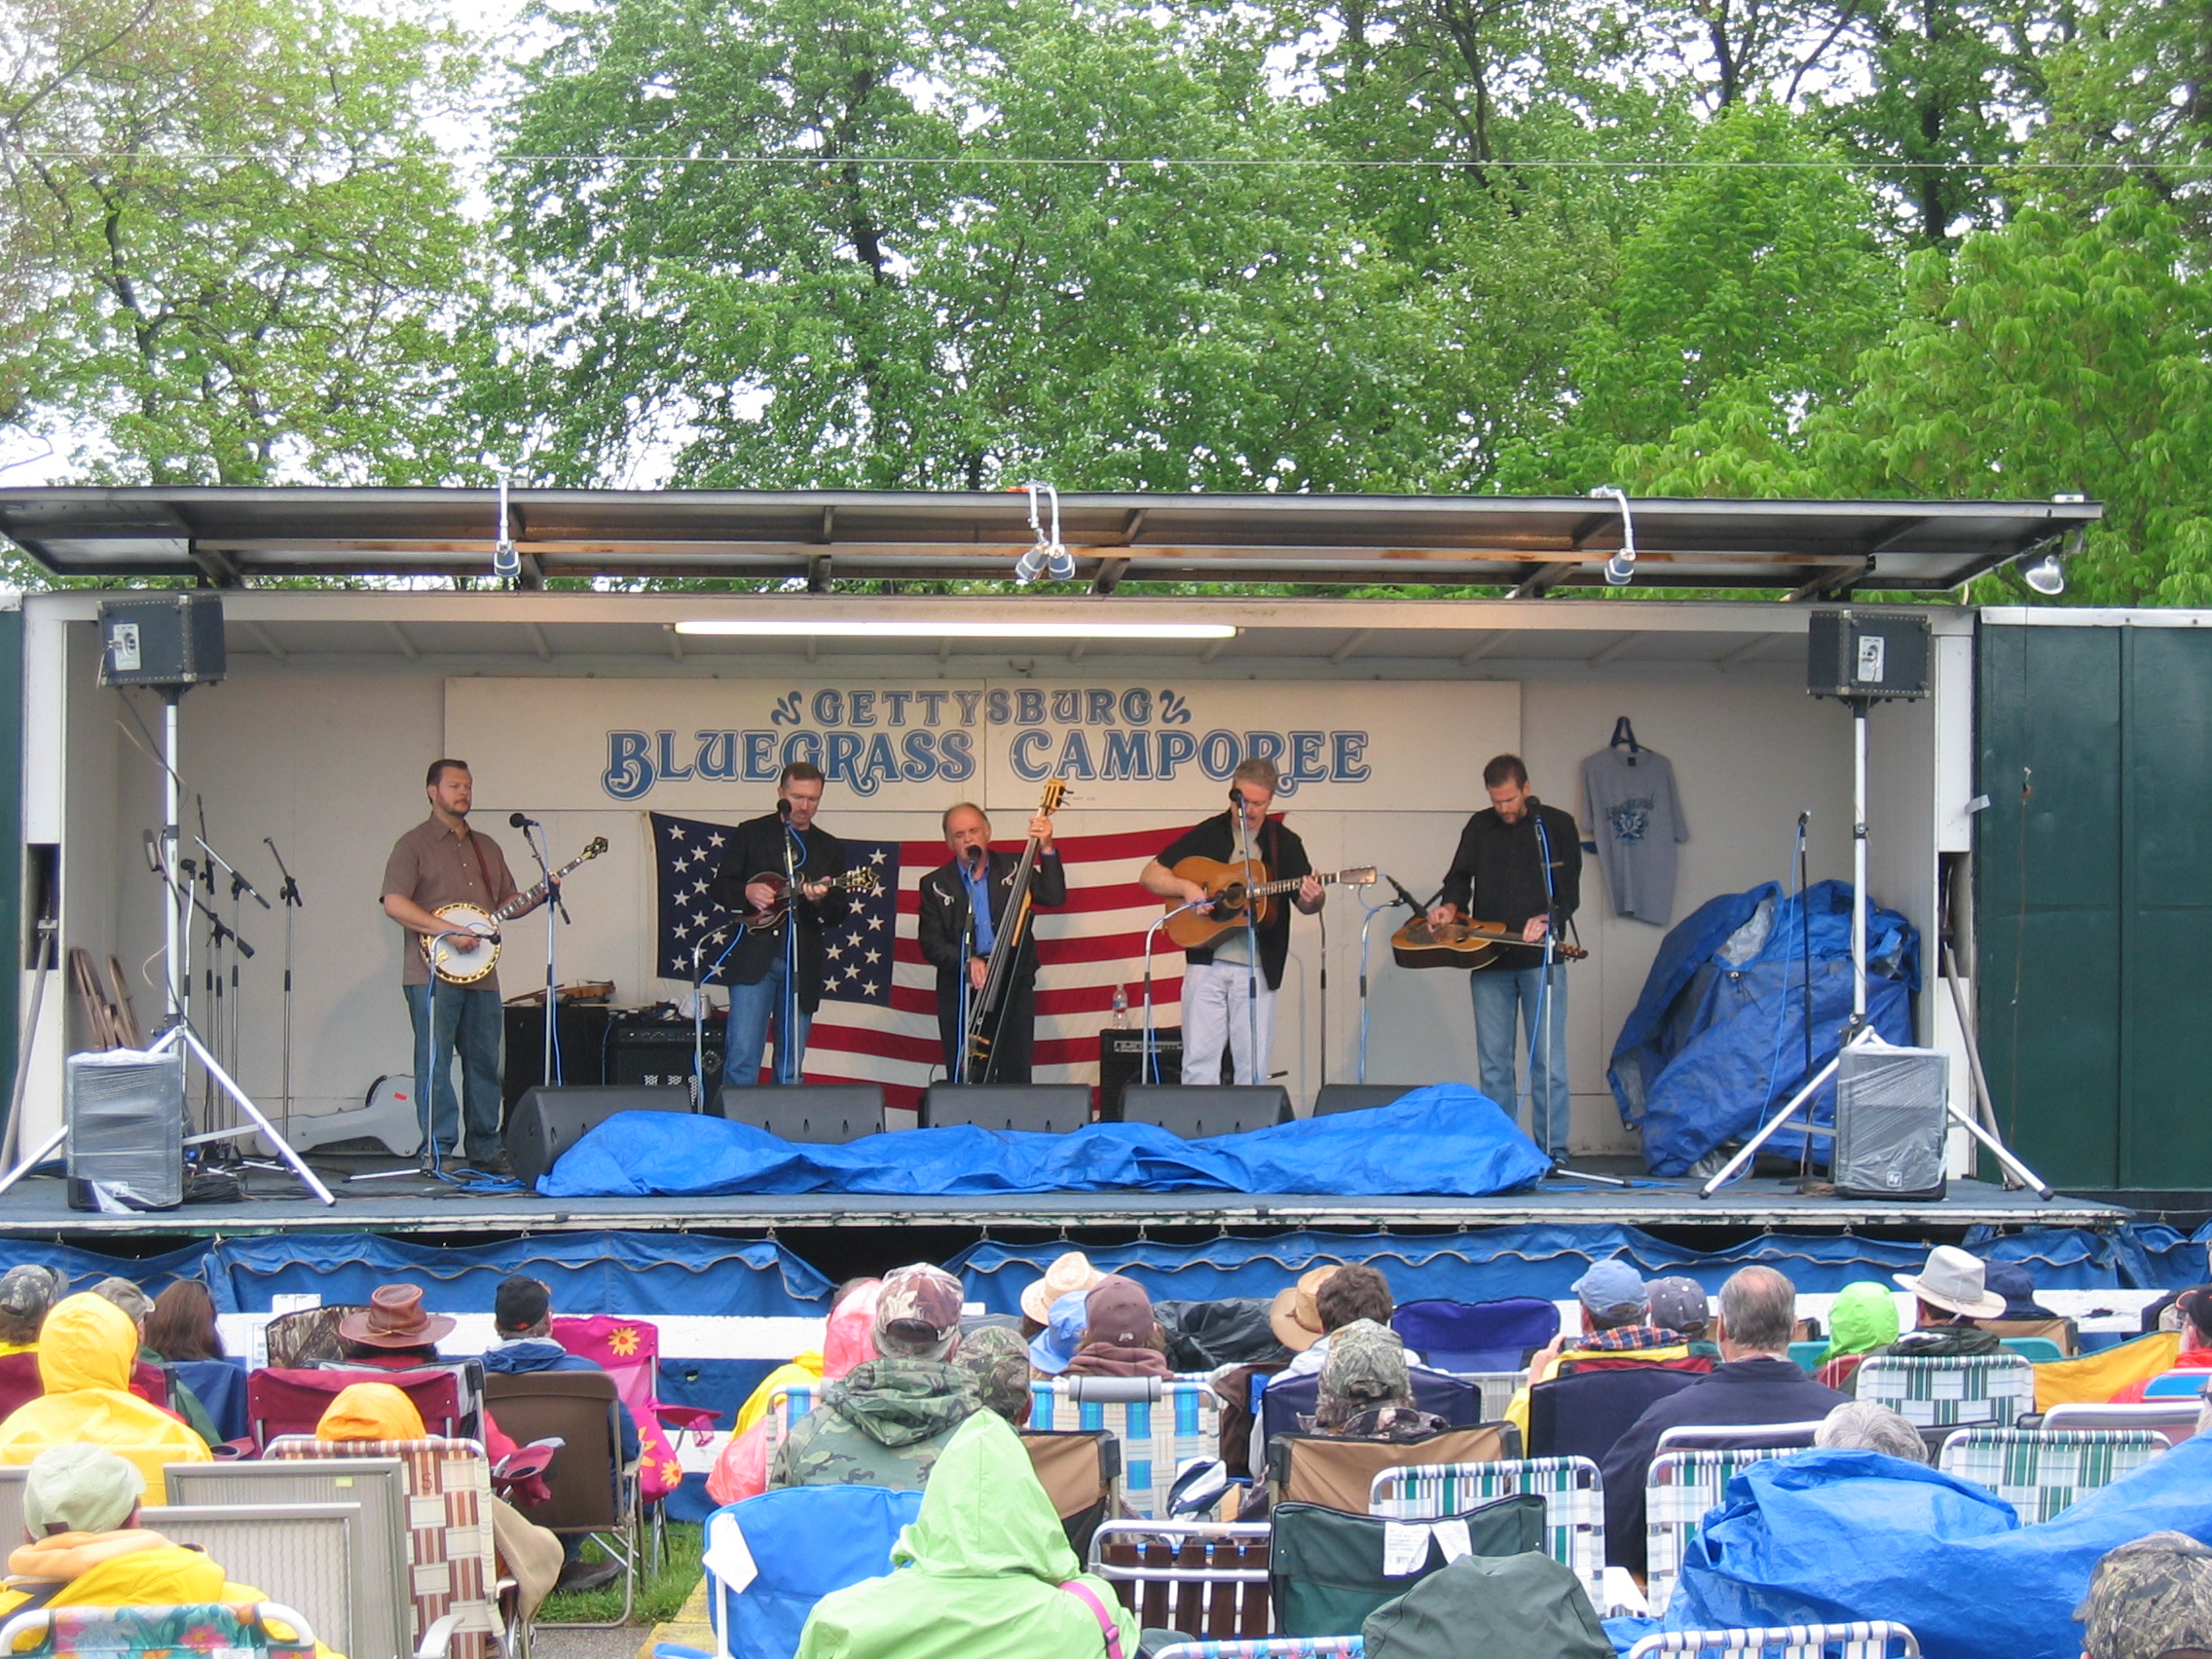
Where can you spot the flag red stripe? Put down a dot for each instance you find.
(1081, 901)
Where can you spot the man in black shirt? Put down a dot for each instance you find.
(1500, 876)
(763, 987)
(1219, 984)
(948, 898)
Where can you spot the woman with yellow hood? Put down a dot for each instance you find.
(85, 1548)
(85, 1353)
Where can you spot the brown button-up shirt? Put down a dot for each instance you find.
(435, 866)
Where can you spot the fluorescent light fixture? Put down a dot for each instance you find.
(950, 628)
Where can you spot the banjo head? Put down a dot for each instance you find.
(453, 966)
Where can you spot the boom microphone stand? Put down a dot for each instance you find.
(532, 832)
(288, 896)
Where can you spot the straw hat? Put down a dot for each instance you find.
(1952, 1279)
(1071, 1271)
(1295, 1317)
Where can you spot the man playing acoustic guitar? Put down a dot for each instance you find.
(1219, 1003)
(1498, 875)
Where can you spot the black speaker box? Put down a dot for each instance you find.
(165, 638)
(1866, 654)
(546, 1121)
(1045, 1108)
(822, 1114)
(1196, 1111)
(654, 1047)
(1890, 1124)
(1121, 1064)
(1357, 1096)
(581, 1029)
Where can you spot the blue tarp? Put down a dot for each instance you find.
(1833, 1536)
(1716, 1041)
(1447, 1140)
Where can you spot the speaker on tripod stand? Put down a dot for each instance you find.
(1890, 1121)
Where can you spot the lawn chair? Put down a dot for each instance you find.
(1681, 1488)
(1476, 1336)
(1494, 1390)
(1269, 1648)
(801, 1542)
(2041, 1471)
(1161, 1423)
(1574, 1503)
(591, 1492)
(2065, 1333)
(220, 1384)
(2179, 1384)
(1454, 1399)
(1581, 1417)
(629, 1352)
(1319, 1468)
(282, 1402)
(1327, 1570)
(1081, 1472)
(2174, 1419)
(207, 1628)
(310, 1554)
(1958, 1390)
(1201, 1578)
(1879, 1639)
(452, 1573)
(1739, 1437)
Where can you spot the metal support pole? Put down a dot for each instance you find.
(1859, 706)
(173, 808)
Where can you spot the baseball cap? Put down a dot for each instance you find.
(520, 1303)
(918, 1309)
(1116, 1311)
(79, 1489)
(2148, 1599)
(1052, 1350)
(1679, 1305)
(1609, 1286)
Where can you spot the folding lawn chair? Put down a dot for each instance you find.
(2042, 1473)
(1574, 1503)
(1877, 1638)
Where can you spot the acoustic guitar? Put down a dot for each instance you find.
(1230, 888)
(1472, 945)
(457, 967)
(852, 881)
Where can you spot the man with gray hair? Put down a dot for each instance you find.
(1861, 1426)
(1756, 1382)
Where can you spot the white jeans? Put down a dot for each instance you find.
(1215, 1011)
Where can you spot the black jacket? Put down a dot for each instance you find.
(756, 848)
(1498, 875)
(1284, 856)
(943, 927)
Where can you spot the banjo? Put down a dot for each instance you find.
(457, 967)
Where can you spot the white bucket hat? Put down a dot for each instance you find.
(1951, 1278)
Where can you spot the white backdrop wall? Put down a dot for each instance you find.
(328, 760)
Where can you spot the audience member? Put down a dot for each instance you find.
(1865, 1427)
(1862, 1319)
(1069, 1271)
(1365, 1393)
(85, 1548)
(996, 1360)
(984, 1573)
(1756, 1383)
(886, 1422)
(182, 1325)
(2196, 1306)
(1120, 1335)
(85, 1356)
(151, 1378)
(1052, 1350)
(394, 1332)
(848, 1340)
(1339, 1296)
(26, 1291)
(1953, 1294)
(1617, 1328)
(2017, 1286)
(2148, 1600)
(1680, 1305)
(1295, 1314)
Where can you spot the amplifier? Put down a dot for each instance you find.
(1121, 1062)
(651, 1047)
(1890, 1123)
(547, 1122)
(581, 1029)
(126, 1115)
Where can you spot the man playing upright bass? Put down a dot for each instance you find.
(978, 883)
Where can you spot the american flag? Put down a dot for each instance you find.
(878, 1017)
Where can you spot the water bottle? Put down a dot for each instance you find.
(1121, 1008)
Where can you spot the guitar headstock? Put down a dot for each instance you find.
(1055, 790)
(1365, 876)
(594, 847)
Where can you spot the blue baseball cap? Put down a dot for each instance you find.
(1611, 1285)
(1052, 1350)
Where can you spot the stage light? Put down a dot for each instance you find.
(1620, 569)
(2046, 576)
(507, 562)
(950, 628)
(1049, 557)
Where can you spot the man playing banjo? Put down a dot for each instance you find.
(442, 861)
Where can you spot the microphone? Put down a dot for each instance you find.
(1403, 898)
(519, 821)
(784, 810)
(1804, 817)
(974, 855)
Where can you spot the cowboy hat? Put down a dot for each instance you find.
(1070, 1272)
(395, 1319)
(1953, 1281)
(1295, 1317)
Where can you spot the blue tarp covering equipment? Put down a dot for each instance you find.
(1445, 1140)
(1716, 1041)
(1833, 1536)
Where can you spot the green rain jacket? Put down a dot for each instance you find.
(978, 1573)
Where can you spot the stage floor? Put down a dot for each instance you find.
(411, 1205)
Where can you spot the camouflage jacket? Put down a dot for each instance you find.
(883, 1424)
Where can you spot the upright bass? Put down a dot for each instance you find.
(987, 1007)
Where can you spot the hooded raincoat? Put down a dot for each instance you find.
(979, 1575)
(1863, 1318)
(118, 1569)
(884, 1424)
(85, 1354)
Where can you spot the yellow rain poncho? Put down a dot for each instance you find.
(85, 1354)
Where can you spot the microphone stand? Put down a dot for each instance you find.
(1251, 954)
(699, 1009)
(533, 832)
(1366, 927)
(288, 896)
(788, 1062)
(1149, 1070)
(1545, 1012)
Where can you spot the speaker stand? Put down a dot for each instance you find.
(181, 1032)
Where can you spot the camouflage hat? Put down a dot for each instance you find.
(918, 1309)
(1366, 1367)
(29, 1288)
(2149, 1597)
(997, 1360)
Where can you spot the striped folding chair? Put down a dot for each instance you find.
(1875, 1639)
(786, 1406)
(1159, 1422)
(1681, 1488)
(1574, 1503)
(1269, 1648)
(2041, 1471)
(1951, 1391)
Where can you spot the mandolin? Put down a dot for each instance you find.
(852, 881)
(1470, 945)
(1231, 889)
(465, 967)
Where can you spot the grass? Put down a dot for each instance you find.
(660, 1596)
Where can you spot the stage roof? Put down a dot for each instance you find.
(816, 539)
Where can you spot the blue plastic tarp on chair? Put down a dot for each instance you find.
(801, 1542)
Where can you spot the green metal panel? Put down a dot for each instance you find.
(12, 957)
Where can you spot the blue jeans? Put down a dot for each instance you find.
(1502, 994)
(751, 1010)
(469, 1023)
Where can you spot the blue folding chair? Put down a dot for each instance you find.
(804, 1542)
(1476, 1336)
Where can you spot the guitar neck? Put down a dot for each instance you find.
(1326, 877)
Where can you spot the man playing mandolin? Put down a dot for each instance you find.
(1218, 984)
(950, 898)
(1498, 875)
(440, 862)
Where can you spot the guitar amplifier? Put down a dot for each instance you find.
(1121, 1064)
(580, 1028)
(652, 1048)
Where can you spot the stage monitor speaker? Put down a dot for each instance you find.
(1196, 1111)
(1357, 1096)
(1890, 1123)
(162, 639)
(1042, 1108)
(821, 1114)
(546, 1121)
(1866, 654)
(126, 1115)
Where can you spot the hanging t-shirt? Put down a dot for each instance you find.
(1631, 808)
